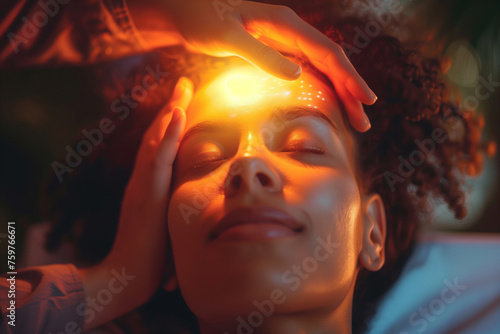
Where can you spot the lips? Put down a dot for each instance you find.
(254, 223)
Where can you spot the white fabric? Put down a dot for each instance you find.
(422, 301)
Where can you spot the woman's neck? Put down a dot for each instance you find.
(320, 321)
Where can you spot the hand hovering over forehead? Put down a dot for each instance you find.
(255, 32)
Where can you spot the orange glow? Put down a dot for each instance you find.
(248, 85)
(250, 96)
(248, 151)
(245, 89)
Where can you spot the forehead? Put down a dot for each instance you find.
(244, 93)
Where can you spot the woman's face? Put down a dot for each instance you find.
(265, 205)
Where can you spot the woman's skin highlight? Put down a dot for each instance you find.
(255, 143)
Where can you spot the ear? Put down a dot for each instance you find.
(372, 255)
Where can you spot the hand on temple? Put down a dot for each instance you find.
(140, 247)
(255, 32)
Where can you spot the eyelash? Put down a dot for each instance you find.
(300, 148)
(212, 157)
(294, 148)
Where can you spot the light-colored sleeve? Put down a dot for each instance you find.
(48, 299)
(65, 32)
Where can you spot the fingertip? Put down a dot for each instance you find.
(366, 125)
(360, 124)
(289, 69)
(186, 84)
(177, 114)
(177, 123)
(360, 90)
(372, 98)
(183, 87)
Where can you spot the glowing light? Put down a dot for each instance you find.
(243, 88)
(246, 90)
(249, 145)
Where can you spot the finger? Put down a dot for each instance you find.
(335, 64)
(181, 97)
(151, 139)
(241, 43)
(285, 26)
(161, 174)
(354, 110)
(167, 149)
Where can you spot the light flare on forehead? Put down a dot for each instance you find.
(248, 86)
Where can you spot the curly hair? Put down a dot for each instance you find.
(415, 116)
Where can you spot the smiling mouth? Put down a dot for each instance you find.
(254, 224)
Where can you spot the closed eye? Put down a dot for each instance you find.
(208, 159)
(301, 147)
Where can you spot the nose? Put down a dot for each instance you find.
(252, 174)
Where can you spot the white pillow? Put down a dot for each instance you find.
(451, 284)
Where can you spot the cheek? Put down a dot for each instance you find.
(184, 214)
(332, 201)
(329, 196)
(190, 204)
(180, 216)
(335, 203)
(187, 205)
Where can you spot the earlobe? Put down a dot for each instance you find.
(372, 255)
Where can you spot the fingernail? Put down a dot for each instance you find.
(373, 97)
(184, 82)
(176, 114)
(366, 123)
(181, 86)
(290, 69)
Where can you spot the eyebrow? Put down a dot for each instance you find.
(289, 113)
(206, 126)
(293, 112)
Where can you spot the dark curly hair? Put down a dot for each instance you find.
(414, 104)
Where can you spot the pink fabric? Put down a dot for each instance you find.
(48, 299)
(61, 32)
